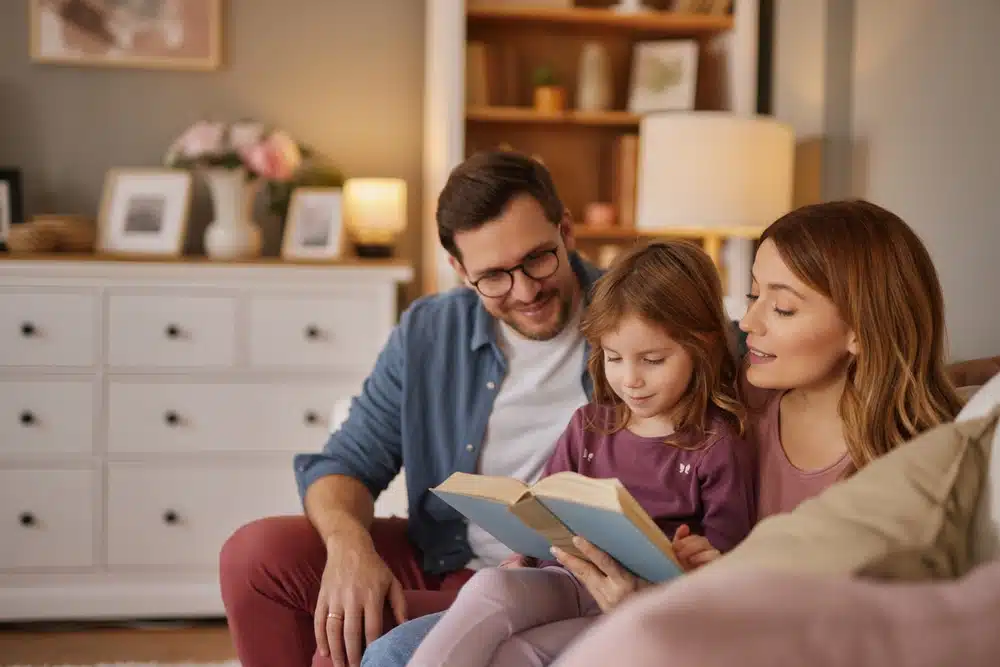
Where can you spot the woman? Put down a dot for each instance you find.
(846, 361)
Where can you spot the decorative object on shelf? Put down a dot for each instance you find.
(314, 228)
(54, 233)
(593, 89)
(630, 7)
(599, 214)
(11, 208)
(718, 171)
(164, 34)
(237, 160)
(715, 7)
(144, 212)
(549, 94)
(664, 76)
(374, 214)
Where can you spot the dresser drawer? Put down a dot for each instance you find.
(48, 328)
(47, 518)
(47, 416)
(183, 330)
(321, 332)
(180, 516)
(166, 416)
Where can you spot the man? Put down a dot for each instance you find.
(476, 380)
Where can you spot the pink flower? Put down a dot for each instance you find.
(244, 134)
(274, 159)
(201, 139)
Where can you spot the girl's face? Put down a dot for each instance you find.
(647, 369)
(796, 337)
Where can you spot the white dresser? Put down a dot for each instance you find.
(147, 409)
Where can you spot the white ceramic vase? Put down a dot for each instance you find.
(593, 92)
(232, 234)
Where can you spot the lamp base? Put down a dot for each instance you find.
(373, 250)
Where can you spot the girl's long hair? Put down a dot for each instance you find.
(673, 285)
(881, 278)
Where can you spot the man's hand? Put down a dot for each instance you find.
(692, 551)
(352, 595)
(608, 582)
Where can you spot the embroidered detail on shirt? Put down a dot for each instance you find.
(685, 468)
(588, 456)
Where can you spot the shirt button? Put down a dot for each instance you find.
(441, 562)
(469, 448)
(458, 538)
(491, 385)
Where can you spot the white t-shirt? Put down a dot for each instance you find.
(533, 406)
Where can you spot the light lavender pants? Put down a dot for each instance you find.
(771, 619)
(521, 617)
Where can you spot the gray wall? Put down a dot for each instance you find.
(922, 122)
(342, 75)
(926, 124)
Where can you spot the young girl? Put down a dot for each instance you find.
(665, 421)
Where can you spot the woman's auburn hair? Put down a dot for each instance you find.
(673, 285)
(880, 277)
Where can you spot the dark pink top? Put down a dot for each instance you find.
(710, 486)
(782, 486)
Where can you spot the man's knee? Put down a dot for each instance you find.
(256, 555)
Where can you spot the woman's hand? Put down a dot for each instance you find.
(608, 582)
(692, 551)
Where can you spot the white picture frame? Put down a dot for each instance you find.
(314, 226)
(144, 212)
(664, 76)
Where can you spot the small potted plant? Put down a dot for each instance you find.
(550, 96)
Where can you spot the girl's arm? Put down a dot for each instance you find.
(566, 455)
(727, 476)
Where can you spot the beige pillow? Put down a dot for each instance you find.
(907, 515)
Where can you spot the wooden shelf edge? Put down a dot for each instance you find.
(666, 23)
(569, 117)
(611, 234)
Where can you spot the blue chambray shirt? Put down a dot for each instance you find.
(426, 404)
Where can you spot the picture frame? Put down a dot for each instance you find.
(11, 201)
(314, 226)
(664, 76)
(156, 34)
(144, 212)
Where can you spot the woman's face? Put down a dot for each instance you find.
(796, 337)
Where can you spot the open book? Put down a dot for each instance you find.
(531, 519)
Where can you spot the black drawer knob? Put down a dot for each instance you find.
(312, 332)
(172, 418)
(170, 517)
(173, 331)
(27, 418)
(312, 418)
(27, 519)
(28, 329)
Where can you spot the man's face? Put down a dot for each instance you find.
(537, 308)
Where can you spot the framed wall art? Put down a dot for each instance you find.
(166, 34)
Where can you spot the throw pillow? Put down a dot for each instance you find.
(986, 522)
(907, 515)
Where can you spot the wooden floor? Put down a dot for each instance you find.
(88, 645)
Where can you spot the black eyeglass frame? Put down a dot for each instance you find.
(523, 269)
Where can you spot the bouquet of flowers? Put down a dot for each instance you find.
(265, 153)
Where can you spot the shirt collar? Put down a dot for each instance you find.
(484, 325)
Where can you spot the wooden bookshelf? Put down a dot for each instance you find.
(647, 24)
(528, 115)
(612, 233)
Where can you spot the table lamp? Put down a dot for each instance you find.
(374, 214)
(716, 171)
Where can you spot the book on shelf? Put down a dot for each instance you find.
(531, 519)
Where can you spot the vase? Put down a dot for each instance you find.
(593, 92)
(232, 234)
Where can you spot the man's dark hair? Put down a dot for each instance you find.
(479, 189)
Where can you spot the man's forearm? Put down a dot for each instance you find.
(340, 507)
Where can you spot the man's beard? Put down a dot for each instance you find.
(565, 308)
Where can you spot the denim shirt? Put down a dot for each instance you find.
(425, 408)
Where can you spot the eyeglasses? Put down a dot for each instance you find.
(537, 266)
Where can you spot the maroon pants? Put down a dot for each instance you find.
(270, 574)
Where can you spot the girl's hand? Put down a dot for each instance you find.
(692, 551)
(607, 581)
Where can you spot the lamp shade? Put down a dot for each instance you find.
(375, 209)
(713, 169)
